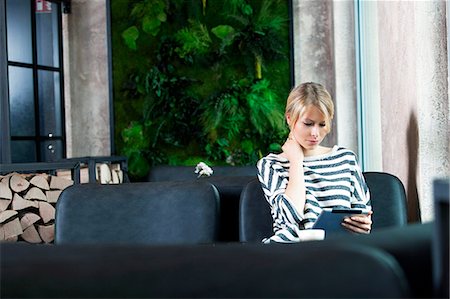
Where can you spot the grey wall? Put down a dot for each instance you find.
(86, 79)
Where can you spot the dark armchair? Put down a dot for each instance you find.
(387, 196)
(138, 213)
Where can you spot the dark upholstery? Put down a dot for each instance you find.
(255, 220)
(138, 213)
(229, 188)
(441, 194)
(410, 245)
(229, 181)
(388, 199)
(307, 270)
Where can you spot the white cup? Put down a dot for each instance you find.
(312, 234)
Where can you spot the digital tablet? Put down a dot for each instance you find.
(330, 220)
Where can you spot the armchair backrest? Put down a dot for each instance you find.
(388, 199)
(255, 220)
(138, 213)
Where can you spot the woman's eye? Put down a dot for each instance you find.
(308, 124)
(322, 125)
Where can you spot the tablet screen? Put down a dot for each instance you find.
(330, 220)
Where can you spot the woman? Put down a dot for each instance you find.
(307, 177)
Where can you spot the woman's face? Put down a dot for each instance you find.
(310, 128)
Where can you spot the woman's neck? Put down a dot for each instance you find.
(320, 150)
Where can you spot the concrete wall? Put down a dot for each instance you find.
(432, 99)
(398, 95)
(313, 48)
(86, 79)
(324, 50)
(414, 97)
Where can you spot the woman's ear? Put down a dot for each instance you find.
(288, 120)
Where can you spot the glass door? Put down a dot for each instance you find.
(34, 54)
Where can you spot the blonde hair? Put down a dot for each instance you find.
(307, 94)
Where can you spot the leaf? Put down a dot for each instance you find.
(138, 165)
(133, 136)
(222, 142)
(195, 39)
(130, 35)
(247, 146)
(226, 33)
(223, 31)
(264, 112)
(275, 147)
(151, 25)
(162, 17)
(247, 9)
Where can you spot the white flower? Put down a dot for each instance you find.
(203, 170)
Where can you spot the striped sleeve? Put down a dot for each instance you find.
(273, 176)
(360, 195)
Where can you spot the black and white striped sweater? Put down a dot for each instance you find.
(333, 180)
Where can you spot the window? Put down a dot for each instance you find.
(34, 102)
(368, 85)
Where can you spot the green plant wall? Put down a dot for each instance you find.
(199, 80)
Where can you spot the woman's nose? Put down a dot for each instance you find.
(315, 131)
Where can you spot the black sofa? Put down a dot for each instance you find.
(391, 262)
(204, 271)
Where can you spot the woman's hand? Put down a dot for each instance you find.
(292, 150)
(361, 224)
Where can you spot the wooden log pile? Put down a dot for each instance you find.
(27, 206)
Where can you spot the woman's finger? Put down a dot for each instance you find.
(356, 229)
(356, 226)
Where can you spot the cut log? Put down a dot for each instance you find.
(47, 211)
(4, 204)
(114, 177)
(28, 220)
(18, 203)
(18, 183)
(31, 235)
(116, 168)
(59, 183)
(36, 194)
(120, 175)
(12, 228)
(7, 215)
(40, 181)
(104, 173)
(65, 174)
(84, 175)
(5, 192)
(53, 196)
(47, 232)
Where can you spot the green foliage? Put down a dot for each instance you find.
(130, 36)
(240, 120)
(136, 146)
(226, 33)
(194, 40)
(199, 81)
(150, 14)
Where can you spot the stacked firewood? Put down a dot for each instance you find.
(27, 206)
